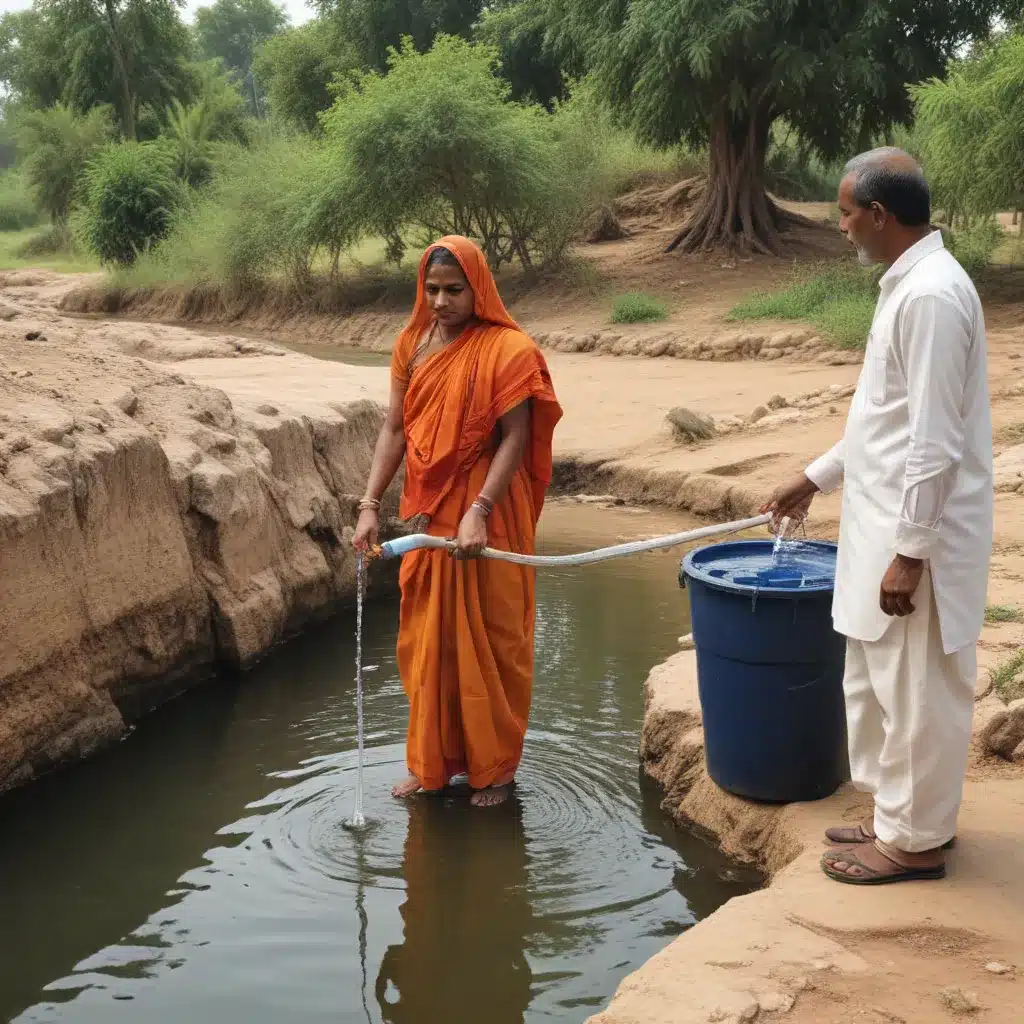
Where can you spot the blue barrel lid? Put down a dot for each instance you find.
(746, 567)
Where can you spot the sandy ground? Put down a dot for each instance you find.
(815, 952)
(802, 948)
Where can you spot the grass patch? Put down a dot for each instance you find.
(1003, 613)
(838, 299)
(17, 204)
(33, 248)
(1005, 678)
(637, 308)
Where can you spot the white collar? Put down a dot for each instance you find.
(931, 242)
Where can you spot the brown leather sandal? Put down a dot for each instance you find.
(874, 876)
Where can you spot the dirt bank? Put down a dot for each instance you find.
(156, 522)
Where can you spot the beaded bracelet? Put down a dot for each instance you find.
(369, 505)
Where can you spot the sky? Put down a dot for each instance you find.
(297, 9)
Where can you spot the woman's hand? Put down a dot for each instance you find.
(367, 530)
(472, 538)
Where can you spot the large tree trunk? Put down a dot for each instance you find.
(735, 212)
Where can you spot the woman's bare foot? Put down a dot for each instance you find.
(406, 788)
(493, 795)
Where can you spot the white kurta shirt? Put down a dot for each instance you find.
(917, 452)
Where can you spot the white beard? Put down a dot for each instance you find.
(863, 258)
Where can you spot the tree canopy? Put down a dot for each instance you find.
(296, 69)
(374, 26)
(518, 30)
(720, 74)
(233, 31)
(87, 53)
(970, 130)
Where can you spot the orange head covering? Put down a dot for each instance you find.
(487, 304)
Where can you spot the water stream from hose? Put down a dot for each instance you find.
(358, 819)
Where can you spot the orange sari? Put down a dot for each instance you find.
(465, 640)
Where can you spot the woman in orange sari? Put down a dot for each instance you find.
(472, 412)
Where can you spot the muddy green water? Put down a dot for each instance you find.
(200, 870)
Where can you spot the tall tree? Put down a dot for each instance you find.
(32, 65)
(233, 31)
(297, 67)
(136, 45)
(517, 30)
(86, 53)
(970, 130)
(375, 25)
(720, 73)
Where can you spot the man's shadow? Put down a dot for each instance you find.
(467, 918)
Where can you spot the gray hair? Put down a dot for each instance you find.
(893, 179)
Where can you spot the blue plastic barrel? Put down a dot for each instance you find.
(770, 669)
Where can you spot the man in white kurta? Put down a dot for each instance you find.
(915, 538)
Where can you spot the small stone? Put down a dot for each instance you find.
(1004, 733)
(997, 968)
(777, 402)
(34, 336)
(758, 414)
(128, 403)
(750, 1012)
(266, 409)
(832, 409)
(717, 1015)
(959, 1000)
(777, 1002)
(1014, 356)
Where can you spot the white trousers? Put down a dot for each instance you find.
(909, 710)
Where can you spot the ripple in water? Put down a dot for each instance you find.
(435, 911)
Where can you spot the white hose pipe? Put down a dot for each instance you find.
(419, 541)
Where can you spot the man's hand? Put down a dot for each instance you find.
(792, 500)
(900, 584)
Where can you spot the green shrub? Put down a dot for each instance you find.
(976, 244)
(52, 240)
(839, 300)
(637, 308)
(249, 223)
(130, 196)
(793, 172)
(17, 206)
(616, 162)
(58, 143)
(436, 147)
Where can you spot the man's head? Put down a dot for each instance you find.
(884, 204)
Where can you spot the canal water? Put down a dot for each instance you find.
(200, 871)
